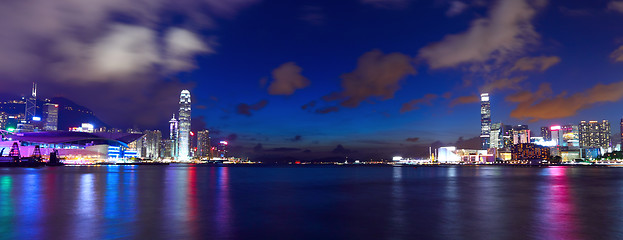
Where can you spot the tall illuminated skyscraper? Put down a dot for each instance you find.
(173, 136)
(485, 120)
(184, 130)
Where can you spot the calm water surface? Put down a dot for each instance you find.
(201, 202)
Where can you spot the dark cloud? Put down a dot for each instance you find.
(308, 105)
(313, 15)
(540, 63)
(232, 137)
(245, 109)
(284, 149)
(413, 139)
(296, 138)
(416, 103)
(388, 4)
(502, 84)
(471, 143)
(327, 110)
(542, 104)
(258, 148)
(341, 150)
(307, 151)
(287, 78)
(617, 55)
(456, 8)
(464, 100)
(377, 75)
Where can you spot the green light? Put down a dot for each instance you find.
(10, 129)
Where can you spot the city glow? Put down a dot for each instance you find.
(555, 128)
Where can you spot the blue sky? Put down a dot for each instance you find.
(128, 62)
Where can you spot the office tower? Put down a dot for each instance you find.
(222, 149)
(529, 151)
(546, 133)
(622, 132)
(485, 120)
(184, 127)
(594, 134)
(167, 148)
(3, 120)
(496, 139)
(570, 135)
(203, 144)
(148, 145)
(31, 104)
(173, 137)
(51, 117)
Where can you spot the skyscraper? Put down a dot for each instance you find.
(203, 144)
(595, 134)
(184, 127)
(485, 120)
(496, 140)
(621, 132)
(31, 104)
(173, 137)
(51, 117)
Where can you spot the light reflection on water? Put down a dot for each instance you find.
(198, 202)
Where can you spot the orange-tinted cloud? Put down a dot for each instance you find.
(376, 75)
(616, 6)
(287, 79)
(543, 105)
(464, 100)
(503, 83)
(416, 103)
(540, 64)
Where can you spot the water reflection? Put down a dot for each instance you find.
(86, 211)
(6, 207)
(398, 219)
(557, 209)
(223, 217)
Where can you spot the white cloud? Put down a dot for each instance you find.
(506, 31)
(181, 46)
(456, 8)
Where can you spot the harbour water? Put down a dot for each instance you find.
(311, 202)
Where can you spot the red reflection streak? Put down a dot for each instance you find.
(192, 202)
(560, 215)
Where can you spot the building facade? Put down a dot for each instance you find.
(594, 134)
(546, 133)
(149, 145)
(529, 152)
(184, 127)
(203, 144)
(173, 137)
(51, 117)
(485, 120)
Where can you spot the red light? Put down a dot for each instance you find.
(192, 134)
(55, 105)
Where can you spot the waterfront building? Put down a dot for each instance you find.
(51, 117)
(594, 134)
(529, 151)
(203, 144)
(167, 148)
(621, 132)
(184, 127)
(485, 120)
(149, 145)
(546, 133)
(521, 134)
(222, 150)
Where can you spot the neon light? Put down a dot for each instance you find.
(555, 128)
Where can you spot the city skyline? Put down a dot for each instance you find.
(316, 89)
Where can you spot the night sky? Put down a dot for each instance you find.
(299, 78)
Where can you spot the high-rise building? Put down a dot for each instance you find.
(31, 105)
(173, 137)
(3, 120)
(148, 145)
(222, 149)
(621, 132)
(51, 117)
(594, 134)
(496, 139)
(203, 144)
(546, 133)
(184, 127)
(167, 148)
(485, 120)
(521, 134)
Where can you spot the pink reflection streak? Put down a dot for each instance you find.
(560, 210)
